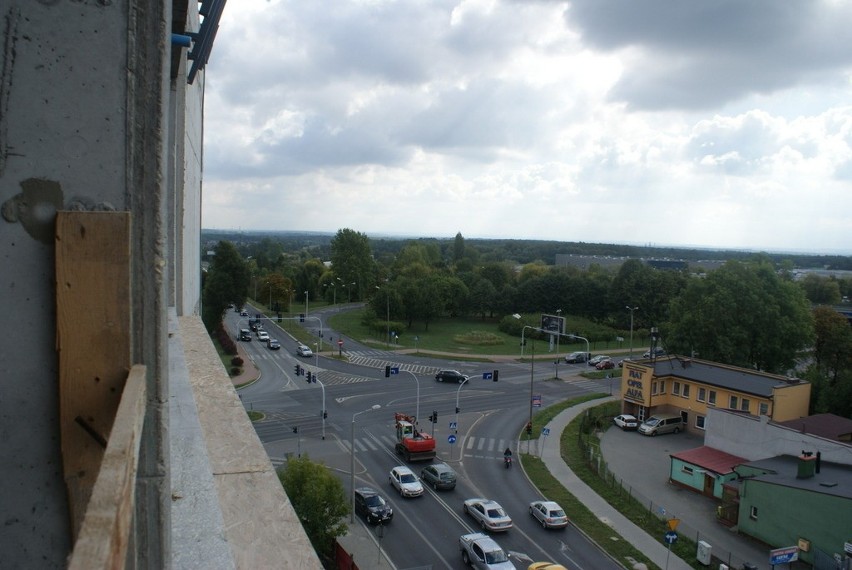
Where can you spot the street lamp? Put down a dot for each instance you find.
(387, 316)
(631, 309)
(417, 413)
(352, 460)
(269, 284)
(457, 413)
(532, 366)
(316, 379)
(559, 321)
(306, 303)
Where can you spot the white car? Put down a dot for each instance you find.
(626, 421)
(488, 513)
(549, 514)
(262, 336)
(303, 350)
(405, 481)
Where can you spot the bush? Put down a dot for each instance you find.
(225, 340)
(235, 371)
(237, 361)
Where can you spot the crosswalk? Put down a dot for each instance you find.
(475, 447)
(380, 358)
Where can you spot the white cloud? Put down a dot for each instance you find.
(723, 123)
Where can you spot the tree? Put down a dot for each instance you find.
(833, 346)
(458, 248)
(227, 282)
(319, 500)
(351, 258)
(821, 290)
(744, 315)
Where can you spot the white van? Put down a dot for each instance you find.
(661, 424)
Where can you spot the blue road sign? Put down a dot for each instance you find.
(453, 425)
(451, 438)
(671, 537)
(394, 369)
(545, 431)
(487, 375)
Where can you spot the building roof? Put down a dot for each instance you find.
(720, 375)
(833, 479)
(710, 459)
(829, 426)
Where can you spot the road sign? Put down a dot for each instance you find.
(783, 555)
(453, 425)
(394, 370)
(536, 401)
(487, 375)
(671, 537)
(545, 431)
(339, 343)
(451, 438)
(672, 523)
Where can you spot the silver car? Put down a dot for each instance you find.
(405, 481)
(488, 513)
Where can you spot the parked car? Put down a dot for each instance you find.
(625, 360)
(405, 481)
(450, 376)
(245, 335)
(660, 424)
(626, 422)
(482, 552)
(657, 352)
(489, 514)
(593, 361)
(605, 364)
(303, 350)
(549, 514)
(372, 506)
(439, 476)
(262, 336)
(273, 344)
(577, 357)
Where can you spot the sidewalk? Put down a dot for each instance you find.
(651, 548)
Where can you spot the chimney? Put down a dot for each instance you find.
(807, 465)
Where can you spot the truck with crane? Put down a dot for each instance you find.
(412, 444)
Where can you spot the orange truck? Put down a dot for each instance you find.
(410, 443)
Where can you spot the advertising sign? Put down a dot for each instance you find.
(783, 555)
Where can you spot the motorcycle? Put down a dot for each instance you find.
(507, 461)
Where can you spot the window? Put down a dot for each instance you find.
(753, 513)
(686, 390)
(702, 394)
(711, 400)
(744, 404)
(676, 389)
(662, 386)
(686, 469)
(699, 422)
(653, 388)
(763, 409)
(733, 403)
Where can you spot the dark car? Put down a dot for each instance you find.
(372, 506)
(605, 364)
(439, 476)
(245, 335)
(273, 344)
(577, 357)
(450, 376)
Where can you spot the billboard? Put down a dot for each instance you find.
(553, 324)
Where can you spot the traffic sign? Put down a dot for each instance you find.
(545, 431)
(672, 523)
(339, 343)
(453, 425)
(671, 537)
(487, 375)
(451, 438)
(536, 401)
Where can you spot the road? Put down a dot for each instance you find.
(425, 530)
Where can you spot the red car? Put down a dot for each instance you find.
(605, 364)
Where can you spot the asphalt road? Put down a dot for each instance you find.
(425, 530)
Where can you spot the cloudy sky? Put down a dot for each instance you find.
(719, 123)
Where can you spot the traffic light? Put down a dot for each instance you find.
(301, 317)
(457, 409)
(308, 377)
(297, 369)
(431, 419)
(387, 371)
(494, 376)
(435, 417)
(295, 429)
(324, 415)
(279, 317)
(529, 428)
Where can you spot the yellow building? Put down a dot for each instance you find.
(688, 387)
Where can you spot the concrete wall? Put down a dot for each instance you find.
(757, 438)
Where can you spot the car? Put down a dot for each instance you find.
(546, 566)
(576, 357)
(450, 376)
(593, 361)
(303, 350)
(439, 476)
(605, 364)
(243, 313)
(488, 513)
(549, 514)
(481, 551)
(405, 481)
(659, 351)
(262, 336)
(245, 335)
(372, 506)
(273, 344)
(625, 360)
(626, 422)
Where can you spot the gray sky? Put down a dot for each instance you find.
(717, 123)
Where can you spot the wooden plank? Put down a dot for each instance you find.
(93, 320)
(104, 534)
